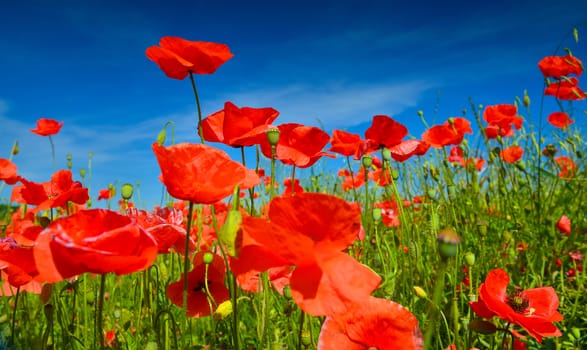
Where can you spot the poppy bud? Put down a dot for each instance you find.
(306, 338)
(46, 292)
(126, 191)
(68, 157)
(520, 165)
(273, 136)
(376, 214)
(470, 258)
(367, 161)
(420, 292)
(15, 148)
(207, 258)
(483, 327)
(82, 173)
(420, 113)
(448, 241)
(434, 173)
(287, 292)
(394, 174)
(464, 112)
(161, 136)
(112, 190)
(526, 99)
(223, 310)
(229, 231)
(386, 154)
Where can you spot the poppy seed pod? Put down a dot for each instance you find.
(376, 214)
(386, 154)
(470, 258)
(273, 136)
(126, 191)
(367, 161)
(448, 241)
(207, 258)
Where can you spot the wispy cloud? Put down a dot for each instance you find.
(336, 105)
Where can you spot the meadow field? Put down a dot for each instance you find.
(471, 235)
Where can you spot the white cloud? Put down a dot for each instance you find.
(334, 105)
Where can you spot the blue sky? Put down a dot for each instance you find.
(339, 62)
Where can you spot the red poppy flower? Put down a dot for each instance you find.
(532, 309)
(381, 176)
(47, 127)
(501, 120)
(278, 276)
(354, 180)
(568, 167)
(165, 225)
(197, 299)
(9, 289)
(389, 213)
(406, 149)
(565, 89)
(452, 132)
(511, 154)
(56, 193)
(97, 241)
(8, 172)
(564, 225)
(373, 323)
(346, 143)
(385, 132)
(560, 66)
(105, 193)
(17, 262)
(560, 119)
(309, 231)
(200, 173)
(290, 189)
(298, 145)
(238, 127)
(178, 57)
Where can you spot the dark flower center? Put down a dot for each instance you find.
(518, 301)
(201, 287)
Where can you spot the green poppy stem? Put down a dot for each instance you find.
(186, 256)
(293, 179)
(200, 130)
(301, 330)
(13, 325)
(53, 153)
(99, 333)
(435, 307)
